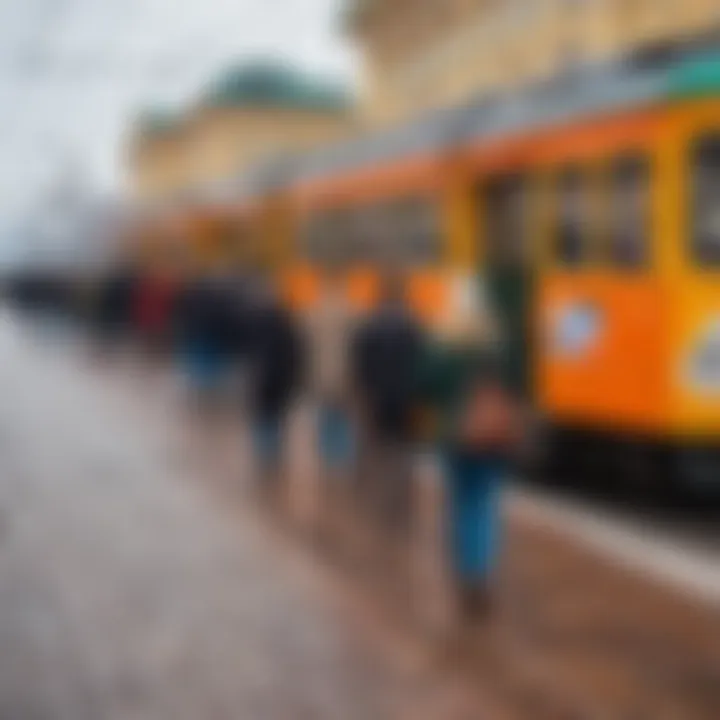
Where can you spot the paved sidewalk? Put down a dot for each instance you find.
(140, 580)
(128, 593)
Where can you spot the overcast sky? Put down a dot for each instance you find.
(74, 72)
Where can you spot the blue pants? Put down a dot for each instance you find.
(267, 436)
(205, 367)
(473, 486)
(335, 438)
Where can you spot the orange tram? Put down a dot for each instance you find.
(586, 209)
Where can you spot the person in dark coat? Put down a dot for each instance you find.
(206, 321)
(386, 359)
(114, 305)
(275, 362)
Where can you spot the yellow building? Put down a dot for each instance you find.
(158, 163)
(423, 54)
(248, 115)
(259, 112)
(416, 55)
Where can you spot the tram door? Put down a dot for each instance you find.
(505, 208)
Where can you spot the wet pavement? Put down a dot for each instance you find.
(127, 591)
(141, 578)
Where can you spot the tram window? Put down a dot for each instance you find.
(398, 232)
(322, 240)
(574, 218)
(310, 239)
(367, 233)
(394, 219)
(705, 189)
(344, 240)
(419, 232)
(628, 220)
(341, 244)
(507, 220)
(314, 239)
(396, 216)
(426, 239)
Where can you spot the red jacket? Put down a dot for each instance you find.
(153, 305)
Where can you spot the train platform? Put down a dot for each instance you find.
(142, 579)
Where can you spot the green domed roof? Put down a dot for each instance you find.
(272, 84)
(156, 121)
(353, 12)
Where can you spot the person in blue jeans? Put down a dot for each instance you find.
(335, 437)
(268, 434)
(476, 430)
(329, 326)
(206, 324)
(474, 487)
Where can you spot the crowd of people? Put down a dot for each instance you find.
(382, 384)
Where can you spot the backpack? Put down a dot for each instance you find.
(489, 420)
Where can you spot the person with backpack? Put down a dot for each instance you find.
(477, 431)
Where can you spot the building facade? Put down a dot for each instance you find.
(253, 114)
(158, 161)
(424, 54)
(416, 56)
(248, 115)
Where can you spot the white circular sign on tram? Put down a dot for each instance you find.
(702, 370)
(574, 328)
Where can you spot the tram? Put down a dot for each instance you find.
(604, 206)
(587, 209)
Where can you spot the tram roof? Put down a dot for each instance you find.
(584, 93)
(635, 81)
(429, 134)
(627, 83)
